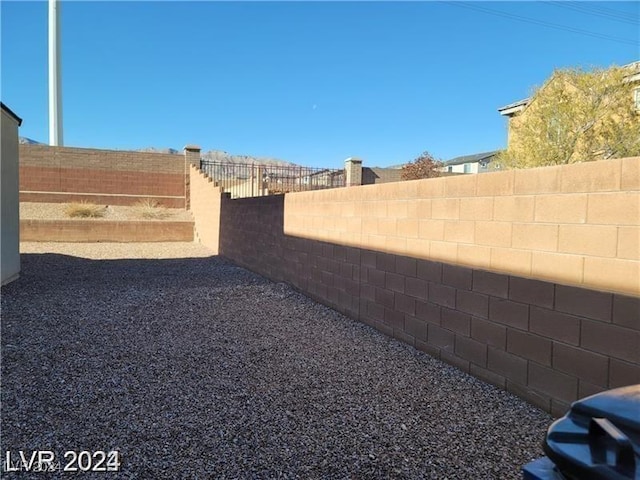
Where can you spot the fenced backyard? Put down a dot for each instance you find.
(527, 280)
(243, 180)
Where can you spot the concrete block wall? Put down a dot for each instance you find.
(204, 203)
(547, 342)
(575, 224)
(251, 234)
(65, 174)
(484, 272)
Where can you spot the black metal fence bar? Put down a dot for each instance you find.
(255, 180)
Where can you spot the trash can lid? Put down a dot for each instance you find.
(599, 438)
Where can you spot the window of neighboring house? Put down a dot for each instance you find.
(636, 98)
(449, 168)
(467, 168)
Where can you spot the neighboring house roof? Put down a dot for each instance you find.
(371, 175)
(11, 113)
(484, 157)
(397, 167)
(635, 76)
(515, 107)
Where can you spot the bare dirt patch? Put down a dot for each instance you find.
(58, 211)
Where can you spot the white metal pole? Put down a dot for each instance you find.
(55, 85)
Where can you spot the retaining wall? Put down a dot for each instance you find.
(111, 177)
(105, 231)
(527, 279)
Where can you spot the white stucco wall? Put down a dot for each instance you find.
(472, 168)
(9, 206)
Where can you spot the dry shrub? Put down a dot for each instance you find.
(84, 210)
(425, 166)
(149, 208)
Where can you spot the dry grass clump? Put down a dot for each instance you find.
(149, 208)
(84, 210)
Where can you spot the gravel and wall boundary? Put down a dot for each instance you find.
(442, 264)
(193, 367)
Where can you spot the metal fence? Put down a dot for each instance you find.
(257, 180)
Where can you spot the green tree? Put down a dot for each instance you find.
(577, 116)
(425, 166)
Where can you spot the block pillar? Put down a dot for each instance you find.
(353, 171)
(191, 157)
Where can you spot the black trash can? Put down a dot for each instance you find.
(598, 439)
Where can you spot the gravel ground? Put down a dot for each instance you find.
(195, 368)
(56, 211)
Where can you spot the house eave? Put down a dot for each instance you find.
(471, 159)
(508, 112)
(11, 113)
(513, 108)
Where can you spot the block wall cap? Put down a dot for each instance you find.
(194, 148)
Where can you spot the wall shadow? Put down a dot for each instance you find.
(51, 273)
(546, 342)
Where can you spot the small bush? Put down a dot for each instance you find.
(84, 210)
(149, 208)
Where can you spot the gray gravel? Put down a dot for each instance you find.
(195, 368)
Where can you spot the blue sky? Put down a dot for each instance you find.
(308, 82)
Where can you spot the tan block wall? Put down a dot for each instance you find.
(204, 203)
(544, 341)
(104, 231)
(525, 279)
(119, 160)
(561, 223)
(64, 174)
